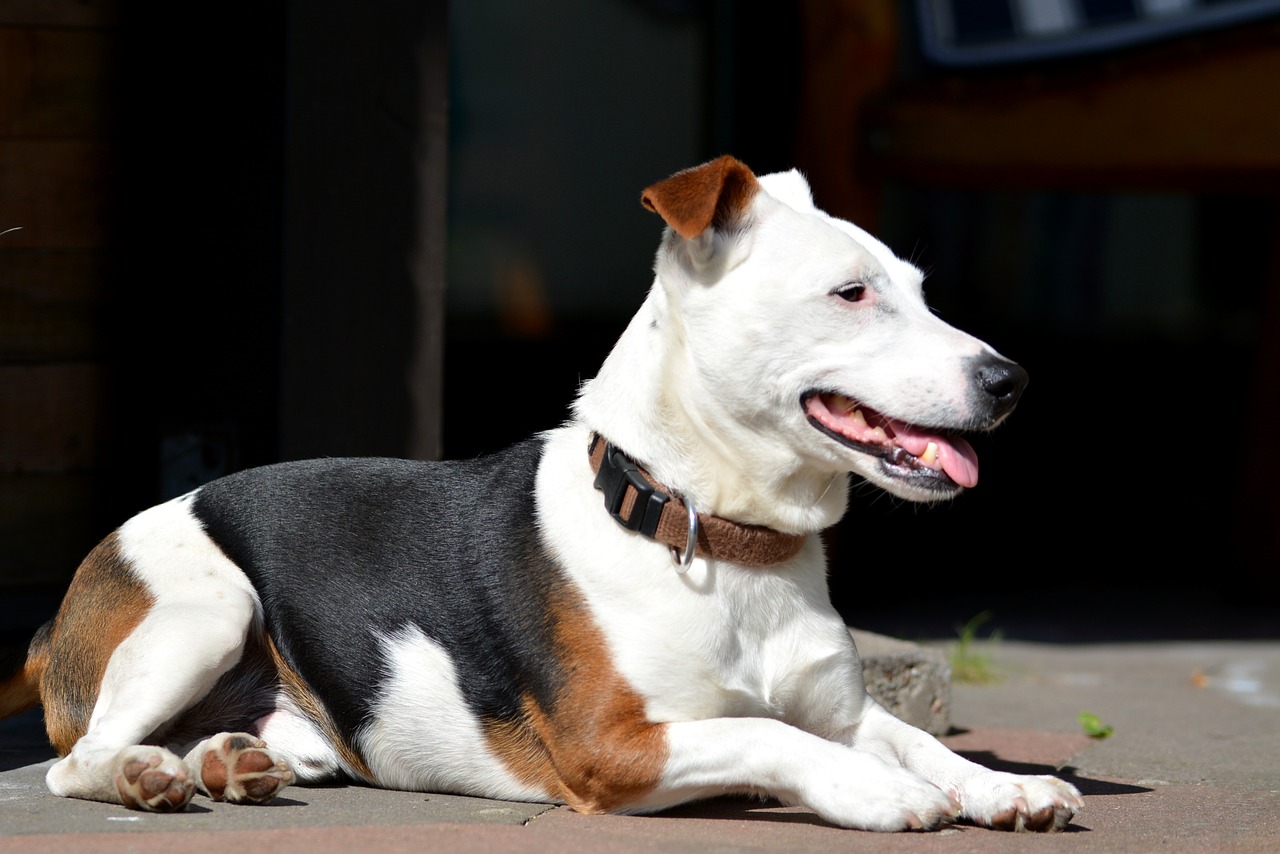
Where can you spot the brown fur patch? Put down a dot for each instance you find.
(592, 745)
(309, 704)
(21, 691)
(104, 603)
(716, 193)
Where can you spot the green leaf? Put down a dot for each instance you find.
(1093, 725)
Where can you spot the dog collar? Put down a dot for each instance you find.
(639, 503)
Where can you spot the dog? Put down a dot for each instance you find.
(624, 613)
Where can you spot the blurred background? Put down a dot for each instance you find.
(273, 230)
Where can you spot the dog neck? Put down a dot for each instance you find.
(646, 400)
(641, 504)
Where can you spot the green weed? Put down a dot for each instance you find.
(1093, 725)
(969, 659)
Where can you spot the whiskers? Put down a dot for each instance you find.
(828, 488)
(863, 488)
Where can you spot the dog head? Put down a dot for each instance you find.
(795, 346)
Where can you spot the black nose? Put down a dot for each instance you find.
(1001, 384)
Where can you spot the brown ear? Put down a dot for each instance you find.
(714, 193)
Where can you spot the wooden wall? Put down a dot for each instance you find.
(55, 173)
(176, 202)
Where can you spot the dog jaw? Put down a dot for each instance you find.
(913, 461)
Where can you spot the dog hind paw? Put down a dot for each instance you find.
(1020, 803)
(153, 779)
(238, 768)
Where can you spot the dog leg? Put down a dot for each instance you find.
(988, 798)
(194, 632)
(151, 677)
(238, 768)
(158, 671)
(847, 787)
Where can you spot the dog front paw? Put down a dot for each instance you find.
(238, 768)
(152, 779)
(1017, 802)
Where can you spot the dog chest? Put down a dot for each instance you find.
(717, 640)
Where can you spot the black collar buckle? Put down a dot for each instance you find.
(617, 472)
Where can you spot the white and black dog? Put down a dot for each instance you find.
(622, 614)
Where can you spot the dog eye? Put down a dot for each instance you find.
(852, 293)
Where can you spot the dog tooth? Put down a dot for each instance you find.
(930, 456)
(858, 419)
(877, 434)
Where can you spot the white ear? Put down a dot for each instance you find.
(790, 188)
(705, 258)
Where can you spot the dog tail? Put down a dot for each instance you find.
(20, 674)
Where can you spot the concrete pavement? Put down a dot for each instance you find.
(1193, 765)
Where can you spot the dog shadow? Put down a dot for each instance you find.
(23, 741)
(744, 808)
(1087, 785)
(12, 759)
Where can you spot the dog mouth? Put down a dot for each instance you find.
(931, 459)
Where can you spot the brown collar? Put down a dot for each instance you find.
(639, 503)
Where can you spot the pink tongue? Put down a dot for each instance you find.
(956, 456)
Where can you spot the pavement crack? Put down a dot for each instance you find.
(531, 819)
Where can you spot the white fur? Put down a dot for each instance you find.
(311, 755)
(450, 754)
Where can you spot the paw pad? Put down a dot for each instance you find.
(238, 768)
(152, 784)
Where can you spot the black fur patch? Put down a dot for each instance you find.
(342, 549)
